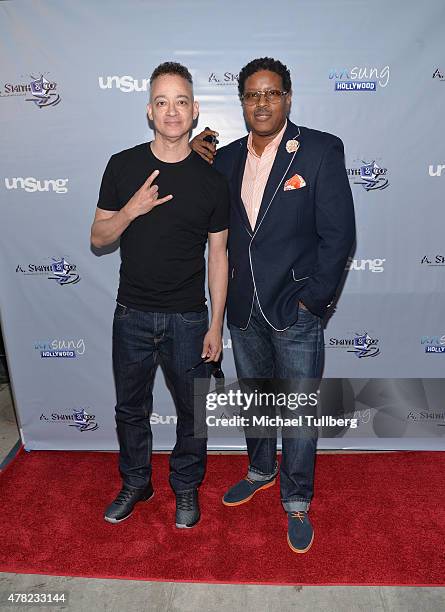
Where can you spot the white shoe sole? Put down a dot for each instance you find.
(179, 526)
(114, 521)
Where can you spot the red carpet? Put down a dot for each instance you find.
(379, 520)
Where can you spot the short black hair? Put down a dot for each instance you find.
(171, 68)
(264, 63)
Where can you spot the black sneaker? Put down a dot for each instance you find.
(187, 509)
(127, 498)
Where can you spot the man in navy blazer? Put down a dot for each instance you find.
(290, 234)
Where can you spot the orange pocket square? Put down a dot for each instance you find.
(295, 182)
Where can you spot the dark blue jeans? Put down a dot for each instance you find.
(141, 340)
(295, 357)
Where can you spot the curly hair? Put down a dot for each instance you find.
(171, 68)
(264, 63)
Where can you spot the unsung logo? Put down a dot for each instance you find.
(79, 418)
(126, 84)
(163, 419)
(369, 175)
(31, 184)
(59, 270)
(60, 348)
(359, 78)
(433, 344)
(436, 170)
(361, 345)
(373, 265)
(40, 90)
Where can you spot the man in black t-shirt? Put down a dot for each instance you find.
(164, 202)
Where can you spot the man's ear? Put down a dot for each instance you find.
(289, 100)
(195, 110)
(150, 111)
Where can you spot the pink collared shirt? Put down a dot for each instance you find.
(256, 174)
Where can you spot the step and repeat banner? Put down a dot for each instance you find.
(74, 83)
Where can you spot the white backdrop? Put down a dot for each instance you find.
(73, 90)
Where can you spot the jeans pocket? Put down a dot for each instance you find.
(194, 317)
(306, 316)
(121, 311)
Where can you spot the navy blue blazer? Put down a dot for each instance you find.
(300, 244)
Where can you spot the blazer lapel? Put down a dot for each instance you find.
(238, 174)
(282, 161)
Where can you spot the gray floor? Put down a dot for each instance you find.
(127, 595)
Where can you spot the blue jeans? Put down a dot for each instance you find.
(294, 357)
(140, 341)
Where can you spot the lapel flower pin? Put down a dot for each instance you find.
(292, 146)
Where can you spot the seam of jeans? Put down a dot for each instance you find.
(300, 505)
(266, 477)
(253, 469)
(146, 392)
(163, 324)
(133, 487)
(319, 350)
(193, 322)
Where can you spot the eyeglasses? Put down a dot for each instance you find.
(250, 98)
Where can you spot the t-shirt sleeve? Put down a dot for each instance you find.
(219, 219)
(108, 198)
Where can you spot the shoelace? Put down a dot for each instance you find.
(185, 500)
(298, 515)
(249, 479)
(123, 496)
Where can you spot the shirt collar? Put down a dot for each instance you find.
(273, 144)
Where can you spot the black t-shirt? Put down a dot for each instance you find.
(162, 252)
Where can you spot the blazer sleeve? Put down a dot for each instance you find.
(335, 226)
(223, 161)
